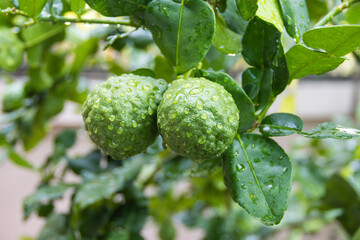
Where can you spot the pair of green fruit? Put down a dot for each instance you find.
(196, 118)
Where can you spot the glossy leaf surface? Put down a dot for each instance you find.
(303, 61)
(114, 8)
(32, 7)
(257, 173)
(269, 11)
(225, 40)
(280, 124)
(247, 8)
(243, 102)
(331, 130)
(182, 30)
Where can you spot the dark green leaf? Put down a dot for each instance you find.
(67, 138)
(340, 194)
(106, 184)
(32, 7)
(56, 228)
(280, 124)
(88, 163)
(243, 102)
(182, 30)
(225, 40)
(77, 6)
(340, 40)
(219, 61)
(257, 173)
(42, 195)
(331, 130)
(114, 8)
(247, 8)
(167, 230)
(295, 16)
(281, 73)
(11, 50)
(303, 61)
(357, 235)
(233, 19)
(317, 8)
(163, 69)
(260, 43)
(118, 234)
(144, 72)
(257, 85)
(206, 167)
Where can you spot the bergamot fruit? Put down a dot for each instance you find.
(120, 114)
(197, 118)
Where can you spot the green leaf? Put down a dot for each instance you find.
(233, 19)
(280, 124)
(167, 230)
(352, 16)
(295, 16)
(106, 184)
(225, 40)
(18, 160)
(115, 8)
(243, 102)
(257, 173)
(118, 234)
(219, 61)
(317, 8)
(163, 69)
(11, 50)
(42, 195)
(77, 6)
(88, 163)
(182, 30)
(331, 130)
(144, 72)
(247, 8)
(206, 167)
(56, 228)
(260, 43)
(303, 61)
(357, 235)
(32, 7)
(269, 11)
(40, 32)
(66, 139)
(257, 85)
(340, 194)
(340, 40)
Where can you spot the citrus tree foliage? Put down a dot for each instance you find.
(242, 190)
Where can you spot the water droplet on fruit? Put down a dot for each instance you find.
(150, 111)
(134, 124)
(120, 130)
(199, 105)
(112, 118)
(215, 98)
(203, 116)
(186, 110)
(146, 88)
(219, 126)
(110, 127)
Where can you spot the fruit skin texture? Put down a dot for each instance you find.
(197, 118)
(120, 114)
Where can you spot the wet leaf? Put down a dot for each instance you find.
(182, 30)
(269, 11)
(115, 8)
(247, 8)
(257, 173)
(280, 124)
(225, 40)
(303, 61)
(233, 19)
(331, 130)
(243, 102)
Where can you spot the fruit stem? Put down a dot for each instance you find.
(335, 11)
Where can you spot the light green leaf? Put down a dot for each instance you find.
(42, 195)
(182, 30)
(32, 7)
(331, 130)
(77, 6)
(247, 8)
(269, 11)
(106, 184)
(340, 40)
(40, 32)
(257, 173)
(303, 61)
(18, 160)
(225, 40)
(280, 124)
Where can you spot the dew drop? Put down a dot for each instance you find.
(150, 111)
(219, 126)
(120, 130)
(240, 168)
(215, 98)
(112, 118)
(134, 124)
(186, 110)
(110, 127)
(199, 105)
(203, 116)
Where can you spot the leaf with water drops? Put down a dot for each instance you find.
(280, 124)
(269, 11)
(340, 40)
(257, 173)
(247, 8)
(295, 16)
(182, 30)
(331, 130)
(243, 102)
(225, 40)
(303, 61)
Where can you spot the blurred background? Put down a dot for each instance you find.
(42, 95)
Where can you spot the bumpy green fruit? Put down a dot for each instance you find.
(197, 118)
(13, 98)
(120, 114)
